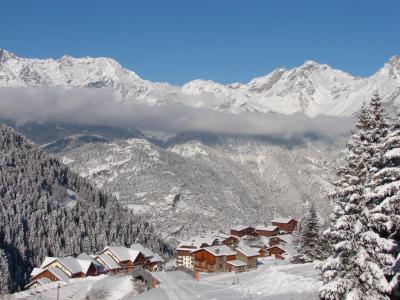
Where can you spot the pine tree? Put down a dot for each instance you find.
(384, 197)
(5, 281)
(309, 244)
(354, 271)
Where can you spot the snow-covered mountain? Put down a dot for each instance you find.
(194, 185)
(69, 72)
(311, 88)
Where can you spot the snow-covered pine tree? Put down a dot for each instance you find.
(384, 198)
(354, 270)
(5, 281)
(309, 245)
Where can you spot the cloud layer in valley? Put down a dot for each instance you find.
(97, 107)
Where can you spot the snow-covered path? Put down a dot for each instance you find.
(268, 282)
(180, 286)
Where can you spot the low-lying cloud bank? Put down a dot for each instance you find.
(97, 107)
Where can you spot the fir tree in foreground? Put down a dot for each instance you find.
(384, 197)
(308, 243)
(355, 268)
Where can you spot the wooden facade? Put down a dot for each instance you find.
(276, 240)
(205, 261)
(251, 261)
(45, 274)
(243, 231)
(275, 250)
(231, 241)
(289, 226)
(262, 252)
(267, 233)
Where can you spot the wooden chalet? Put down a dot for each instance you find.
(276, 240)
(72, 266)
(227, 239)
(262, 252)
(287, 225)
(242, 230)
(154, 261)
(236, 266)
(185, 248)
(213, 259)
(268, 231)
(108, 263)
(275, 251)
(125, 257)
(44, 276)
(248, 255)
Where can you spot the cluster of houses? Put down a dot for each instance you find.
(113, 259)
(238, 250)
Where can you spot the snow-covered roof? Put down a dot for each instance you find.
(247, 251)
(47, 261)
(41, 281)
(85, 256)
(222, 235)
(36, 271)
(72, 264)
(146, 252)
(123, 253)
(59, 274)
(282, 220)
(240, 227)
(108, 261)
(198, 241)
(277, 237)
(266, 228)
(219, 250)
(237, 263)
(157, 258)
(276, 246)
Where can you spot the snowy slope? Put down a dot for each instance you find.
(311, 88)
(268, 282)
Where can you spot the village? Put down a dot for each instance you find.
(237, 251)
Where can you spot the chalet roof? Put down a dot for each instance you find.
(74, 265)
(240, 227)
(58, 273)
(198, 242)
(41, 281)
(277, 237)
(276, 246)
(219, 250)
(266, 228)
(237, 263)
(91, 258)
(282, 220)
(109, 262)
(123, 253)
(157, 258)
(36, 271)
(247, 251)
(222, 235)
(47, 261)
(85, 256)
(146, 252)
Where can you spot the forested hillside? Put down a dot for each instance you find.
(46, 209)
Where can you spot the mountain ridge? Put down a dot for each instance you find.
(311, 88)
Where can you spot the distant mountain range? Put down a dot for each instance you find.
(311, 88)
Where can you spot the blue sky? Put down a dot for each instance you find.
(226, 41)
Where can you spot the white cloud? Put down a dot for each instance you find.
(97, 107)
